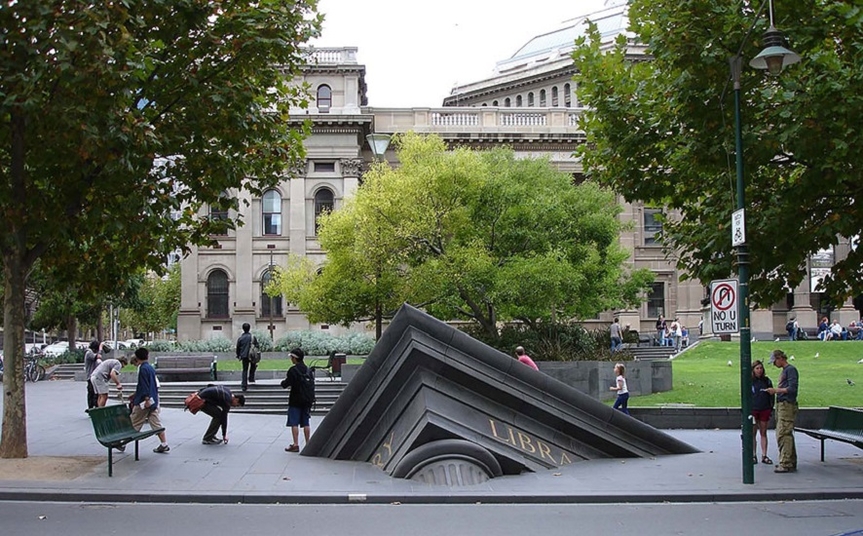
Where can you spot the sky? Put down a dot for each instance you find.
(415, 51)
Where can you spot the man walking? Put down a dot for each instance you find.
(786, 412)
(244, 346)
(218, 401)
(616, 335)
(145, 402)
(300, 400)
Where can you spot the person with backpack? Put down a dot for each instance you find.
(301, 381)
(248, 351)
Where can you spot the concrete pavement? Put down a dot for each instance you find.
(254, 468)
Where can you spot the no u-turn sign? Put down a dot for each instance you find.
(723, 306)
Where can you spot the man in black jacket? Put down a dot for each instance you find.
(244, 345)
(218, 401)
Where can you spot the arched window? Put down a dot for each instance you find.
(518, 101)
(494, 103)
(567, 95)
(541, 98)
(530, 99)
(554, 96)
(507, 102)
(217, 294)
(325, 98)
(269, 304)
(323, 203)
(271, 210)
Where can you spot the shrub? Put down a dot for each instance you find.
(552, 342)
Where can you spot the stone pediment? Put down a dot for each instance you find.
(433, 404)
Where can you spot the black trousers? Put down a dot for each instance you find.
(91, 396)
(249, 369)
(215, 412)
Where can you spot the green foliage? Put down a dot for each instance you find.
(548, 341)
(477, 235)
(322, 343)
(157, 304)
(162, 346)
(703, 378)
(662, 131)
(216, 344)
(120, 124)
(264, 341)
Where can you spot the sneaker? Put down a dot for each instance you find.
(292, 448)
(161, 449)
(210, 441)
(121, 448)
(783, 469)
(251, 380)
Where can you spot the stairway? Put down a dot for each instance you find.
(66, 371)
(644, 353)
(264, 397)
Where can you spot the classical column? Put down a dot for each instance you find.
(352, 170)
(846, 312)
(191, 298)
(802, 310)
(297, 223)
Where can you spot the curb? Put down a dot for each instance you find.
(44, 495)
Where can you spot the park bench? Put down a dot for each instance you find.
(842, 424)
(113, 428)
(186, 364)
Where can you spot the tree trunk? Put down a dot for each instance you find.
(13, 441)
(72, 331)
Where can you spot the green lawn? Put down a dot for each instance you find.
(702, 376)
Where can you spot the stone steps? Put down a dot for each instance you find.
(264, 397)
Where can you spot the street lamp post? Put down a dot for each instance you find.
(773, 58)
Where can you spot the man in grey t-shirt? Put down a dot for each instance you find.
(786, 412)
(616, 335)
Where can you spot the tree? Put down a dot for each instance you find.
(473, 235)
(119, 122)
(158, 303)
(662, 131)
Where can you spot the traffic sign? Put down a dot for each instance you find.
(723, 306)
(738, 228)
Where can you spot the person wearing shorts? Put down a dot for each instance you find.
(145, 402)
(762, 409)
(299, 413)
(106, 372)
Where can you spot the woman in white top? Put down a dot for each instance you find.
(620, 386)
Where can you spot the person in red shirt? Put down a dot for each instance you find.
(524, 358)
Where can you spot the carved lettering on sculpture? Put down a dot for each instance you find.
(526, 443)
(383, 455)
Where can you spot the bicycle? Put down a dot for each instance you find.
(33, 371)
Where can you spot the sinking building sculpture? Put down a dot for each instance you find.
(435, 405)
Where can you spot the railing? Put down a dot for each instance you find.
(458, 119)
(332, 56)
(519, 119)
(485, 119)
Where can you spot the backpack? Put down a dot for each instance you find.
(789, 326)
(305, 388)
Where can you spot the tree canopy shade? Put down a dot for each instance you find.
(119, 121)
(470, 235)
(662, 131)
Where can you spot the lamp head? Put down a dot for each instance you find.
(775, 56)
(379, 144)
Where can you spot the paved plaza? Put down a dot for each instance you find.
(254, 468)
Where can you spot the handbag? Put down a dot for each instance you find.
(194, 403)
(254, 352)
